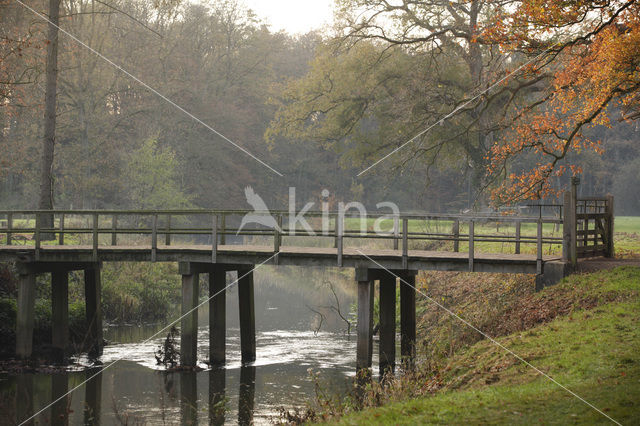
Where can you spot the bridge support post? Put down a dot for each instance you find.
(408, 317)
(24, 323)
(217, 315)
(189, 322)
(92, 291)
(247, 315)
(364, 348)
(387, 323)
(60, 314)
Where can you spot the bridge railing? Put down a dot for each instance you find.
(215, 228)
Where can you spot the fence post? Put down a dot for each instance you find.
(9, 226)
(396, 231)
(456, 235)
(214, 238)
(114, 227)
(95, 237)
(518, 229)
(569, 253)
(223, 226)
(539, 249)
(609, 250)
(405, 243)
(340, 242)
(61, 234)
(167, 235)
(154, 237)
(37, 235)
(471, 244)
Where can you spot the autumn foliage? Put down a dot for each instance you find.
(594, 78)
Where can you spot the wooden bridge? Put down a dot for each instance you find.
(381, 248)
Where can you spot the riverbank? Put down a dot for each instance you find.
(583, 332)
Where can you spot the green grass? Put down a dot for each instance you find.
(594, 351)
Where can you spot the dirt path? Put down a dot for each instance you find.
(600, 263)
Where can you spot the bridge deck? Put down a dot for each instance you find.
(288, 255)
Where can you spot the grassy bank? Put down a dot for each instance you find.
(583, 332)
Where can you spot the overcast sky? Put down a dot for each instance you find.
(293, 16)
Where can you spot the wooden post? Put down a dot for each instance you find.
(247, 316)
(539, 248)
(154, 237)
(569, 252)
(37, 235)
(9, 227)
(95, 237)
(277, 239)
(60, 314)
(405, 243)
(114, 227)
(609, 250)
(455, 230)
(24, 320)
(92, 291)
(217, 315)
(223, 228)
(189, 322)
(336, 227)
(518, 228)
(408, 317)
(387, 323)
(167, 235)
(471, 245)
(396, 232)
(214, 238)
(364, 349)
(340, 220)
(61, 230)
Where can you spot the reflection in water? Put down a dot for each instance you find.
(188, 398)
(92, 397)
(217, 400)
(247, 394)
(24, 397)
(60, 409)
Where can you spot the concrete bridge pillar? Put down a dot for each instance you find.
(217, 316)
(25, 317)
(60, 314)
(189, 322)
(247, 315)
(364, 345)
(387, 323)
(92, 294)
(408, 316)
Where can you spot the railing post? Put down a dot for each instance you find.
(9, 226)
(37, 235)
(539, 249)
(277, 238)
(340, 242)
(61, 234)
(95, 237)
(609, 250)
(456, 235)
(518, 226)
(223, 227)
(396, 231)
(214, 238)
(405, 243)
(114, 227)
(569, 253)
(154, 237)
(167, 235)
(471, 245)
(335, 226)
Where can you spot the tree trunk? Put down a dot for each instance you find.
(48, 142)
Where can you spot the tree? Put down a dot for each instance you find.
(590, 52)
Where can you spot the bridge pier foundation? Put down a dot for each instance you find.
(92, 292)
(247, 315)
(189, 322)
(387, 324)
(408, 317)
